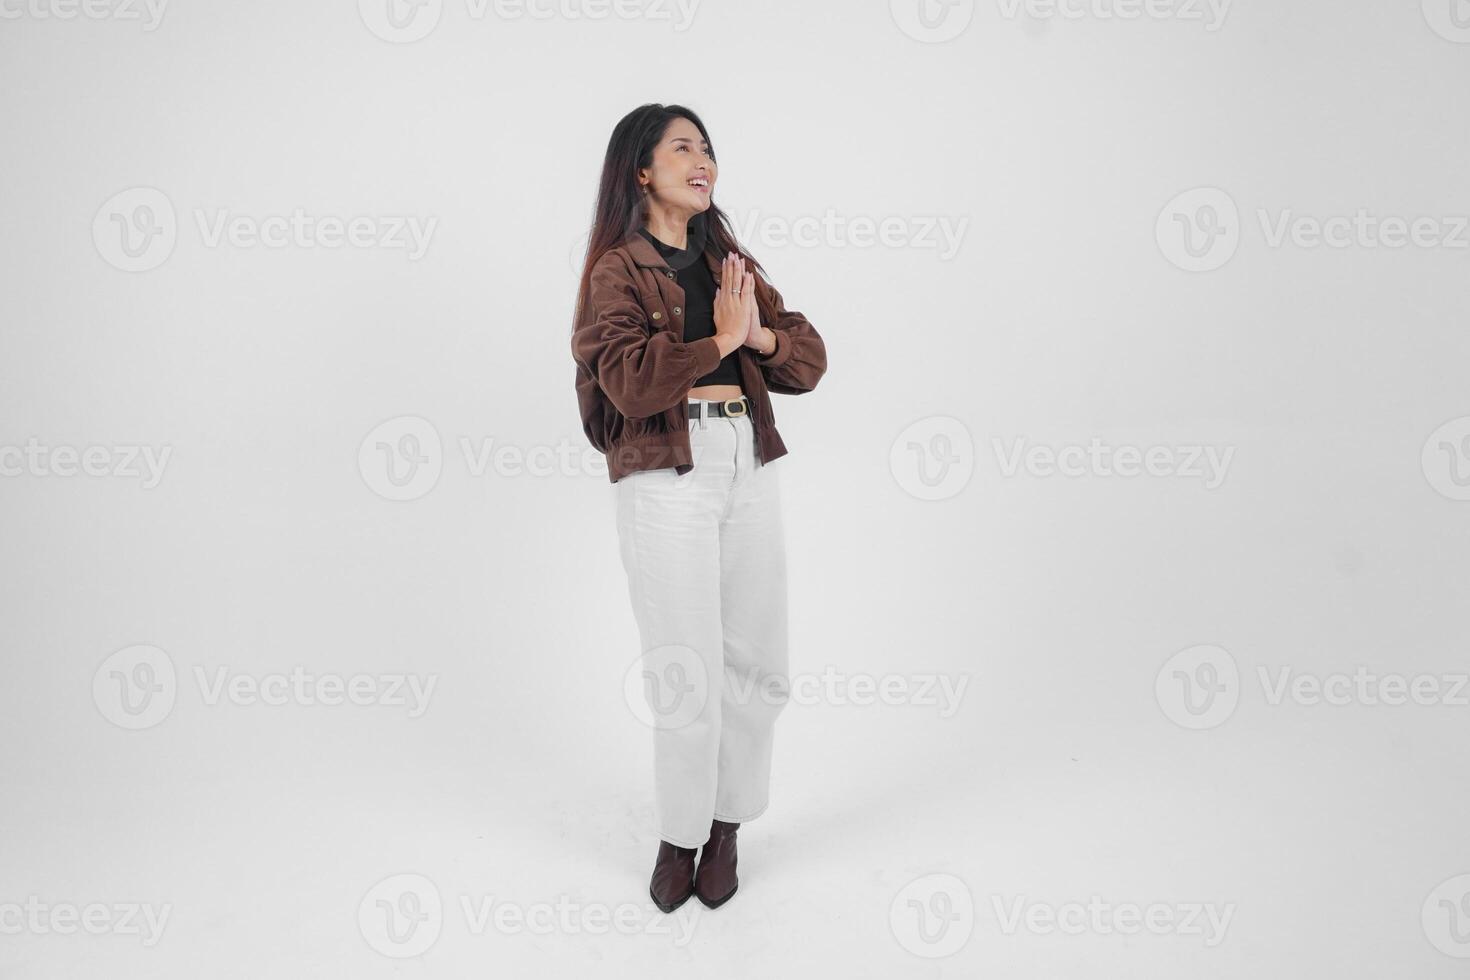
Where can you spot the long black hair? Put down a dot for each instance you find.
(622, 205)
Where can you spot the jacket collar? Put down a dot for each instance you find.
(641, 250)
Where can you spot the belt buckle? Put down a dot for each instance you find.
(739, 403)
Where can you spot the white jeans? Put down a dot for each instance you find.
(706, 563)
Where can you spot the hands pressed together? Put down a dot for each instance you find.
(737, 316)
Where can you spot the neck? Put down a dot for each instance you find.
(668, 227)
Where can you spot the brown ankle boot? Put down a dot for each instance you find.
(715, 881)
(673, 876)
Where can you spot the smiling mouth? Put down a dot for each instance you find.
(700, 184)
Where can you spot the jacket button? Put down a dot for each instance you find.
(657, 315)
(677, 310)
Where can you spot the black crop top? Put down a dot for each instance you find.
(693, 276)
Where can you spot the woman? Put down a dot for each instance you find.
(678, 340)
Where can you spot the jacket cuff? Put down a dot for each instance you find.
(779, 356)
(706, 356)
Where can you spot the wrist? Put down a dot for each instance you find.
(765, 344)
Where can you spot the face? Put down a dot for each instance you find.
(683, 173)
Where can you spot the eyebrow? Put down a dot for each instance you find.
(685, 139)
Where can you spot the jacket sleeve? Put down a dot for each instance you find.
(643, 372)
(800, 357)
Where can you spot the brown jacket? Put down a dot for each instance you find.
(634, 368)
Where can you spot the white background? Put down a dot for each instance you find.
(1058, 138)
